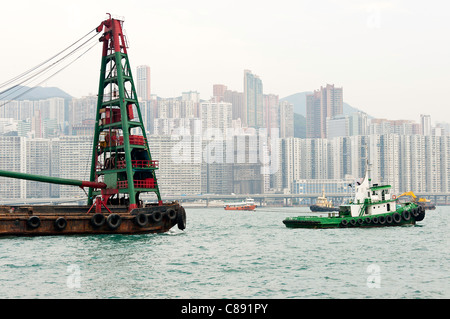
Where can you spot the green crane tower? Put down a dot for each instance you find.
(121, 156)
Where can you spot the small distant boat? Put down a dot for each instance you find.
(248, 204)
(323, 205)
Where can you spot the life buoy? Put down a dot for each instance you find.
(113, 221)
(394, 197)
(171, 213)
(97, 220)
(141, 219)
(34, 222)
(181, 218)
(60, 223)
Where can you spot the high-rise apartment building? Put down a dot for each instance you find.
(272, 112)
(143, 82)
(219, 92)
(321, 104)
(11, 159)
(71, 159)
(216, 116)
(253, 100)
(237, 101)
(286, 119)
(425, 124)
(179, 163)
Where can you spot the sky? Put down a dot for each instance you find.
(392, 57)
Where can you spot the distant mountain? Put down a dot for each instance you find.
(38, 93)
(299, 102)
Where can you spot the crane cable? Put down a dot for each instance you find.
(42, 63)
(46, 79)
(11, 90)
(47, 68)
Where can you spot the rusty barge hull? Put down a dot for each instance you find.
(74, 220)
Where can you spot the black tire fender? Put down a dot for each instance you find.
(181, 218)
(98, 220)
(60, 223)
(141, 219)
(406, 215)
(113, 221)
(389, 220)
(396, 217)
(34, 222)
(156, 216)
(171, 213)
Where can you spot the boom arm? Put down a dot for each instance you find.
(408, 194)
(52, 180)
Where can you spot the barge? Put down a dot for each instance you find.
(121, 165)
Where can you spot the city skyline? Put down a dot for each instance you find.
(390, 64)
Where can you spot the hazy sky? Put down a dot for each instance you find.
(391, 57)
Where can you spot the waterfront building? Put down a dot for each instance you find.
(37, 153)
(11, 159)
(272, 111)
(358, 124)
(81, 109)
(323, 103)
(143, 82)
(286, 119)
(425, 124)
(180, 163)
(338, 125)
(219, 92)
(216, 118)
(71, 158)
(237, 100)
(253, 100)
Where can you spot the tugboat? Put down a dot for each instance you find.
(121, 168)
(323, 205)
(372, 206)
(248, 204)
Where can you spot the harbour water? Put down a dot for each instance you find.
(235, 254)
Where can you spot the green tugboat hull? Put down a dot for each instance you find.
(400, 217)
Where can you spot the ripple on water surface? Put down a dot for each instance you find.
(225, 254)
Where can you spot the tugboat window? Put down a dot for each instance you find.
(388, 207)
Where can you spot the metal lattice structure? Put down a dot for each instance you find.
(121, 156)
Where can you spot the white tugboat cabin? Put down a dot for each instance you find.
(370, 200)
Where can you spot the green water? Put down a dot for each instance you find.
(224, 254)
